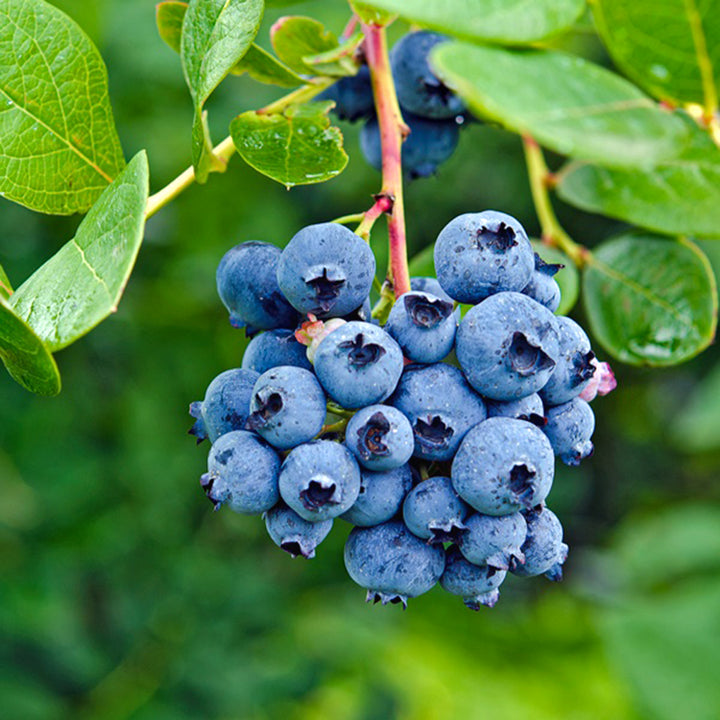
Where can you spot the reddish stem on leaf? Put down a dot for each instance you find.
(392, 132)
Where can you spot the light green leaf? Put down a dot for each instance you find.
(297, 147)
(24, 355)
(59, 148)
(423, 264)
(5, 287)
(650, 300)
(567, 278)
(256, 62)
(566, 103)
(215, 35)
(372, 15)
(339, 61)
(678, 196)
(498, 21)
(295, 37)
(83, 282)
(671, 48)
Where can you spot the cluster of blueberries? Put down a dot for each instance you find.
(434, 435)
(432, 112)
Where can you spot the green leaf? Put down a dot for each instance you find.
(650, 300)
(83, 282)
(297, 147)
(338, 62)
(678, 196)
(566, 103)
(423, 264)
(371, 15)
(24, 355)
(567, 278)
(256, 62)
(671, 48)
(295, 37)
(59, 148)
(5, 286)
(215, 35)
(694, 428)
(498, 21)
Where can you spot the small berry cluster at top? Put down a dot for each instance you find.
(431, 111)
(434, 436)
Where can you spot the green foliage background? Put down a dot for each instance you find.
(123, 596)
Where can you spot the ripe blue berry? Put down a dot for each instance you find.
(391, 563)
(319, 480)
(569, 429)
(326, 270)
(293, 534)
(542, 286)
(503, 466)
(423, 325)
(419, 89)
(248, 287)
(358, 364)
(380, 437)
(476, 584)
(429, 285)
(381, 496)
(441, 407)
(493, 540)
(242, 473)
(288, 406)
(479, 254)
(433, 511)
(353, 96)
(226, 405)
(528, 408)
(273, 348)
(508, 346)
(544, 550)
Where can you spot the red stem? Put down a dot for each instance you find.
(392, 131)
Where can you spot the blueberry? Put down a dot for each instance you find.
(358, 364)
(293, 534)
(428, 145)
(493, 540)
(226, 405)
(503, 466)
(380, 437)
(381, 496)
(508, 346)
(575, 367)
(423, 325)
(288, 406)
(319, 480)
(433, 511)
(544, 550)
(418, 88)
(429, 285)
(476, 584)
(441, 407)
(528, 408)
(392, 563)
(248, 287)
(273, 348)
(242, 473)
(542, 286)
(353, 96)
(326, 270)
(479, 254)
(569, 429)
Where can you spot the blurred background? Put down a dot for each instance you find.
(122, 595)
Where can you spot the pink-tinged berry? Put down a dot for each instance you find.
(601, 383)
(313, 331)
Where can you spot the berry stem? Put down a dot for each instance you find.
(225, 149)
(392, 132)
(540, 180)
(383, 204)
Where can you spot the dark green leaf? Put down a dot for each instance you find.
(296, 148)
(500, 21)
(5, 286)
(215, 35)
(679, 196)
(295, 37)
(669, 47)
(24, 355)
(83, 282)
(650, 300)
(58, 144)
(567, 278)
(566, 103)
